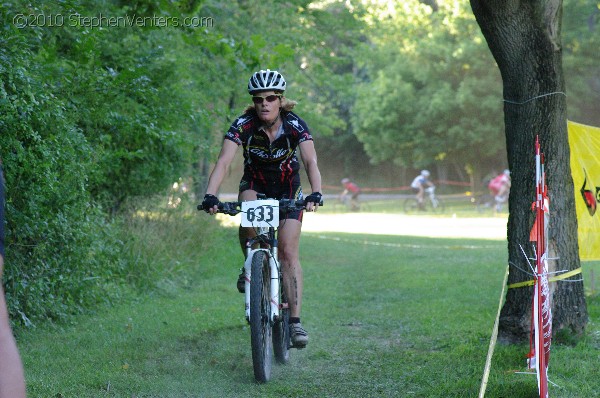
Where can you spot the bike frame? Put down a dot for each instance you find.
(432, 198)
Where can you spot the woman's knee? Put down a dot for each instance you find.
(288, 257)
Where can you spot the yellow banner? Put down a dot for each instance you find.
(585, 167)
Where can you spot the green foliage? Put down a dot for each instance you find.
(60, 254)
(162, 245)
(581, 40)
(93, 118)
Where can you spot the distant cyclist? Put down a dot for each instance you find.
(499, 188)
(352, 189)
(419, 184)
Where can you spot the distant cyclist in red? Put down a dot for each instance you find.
(352, 189)
(499, 188)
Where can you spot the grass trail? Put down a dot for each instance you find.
(388, 316)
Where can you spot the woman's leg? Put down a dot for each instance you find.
(12, 382)
(293, 283)
(244, 232)
(289, 258)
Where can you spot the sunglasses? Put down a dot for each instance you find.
(257, 99)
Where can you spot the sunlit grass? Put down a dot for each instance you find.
(388, 316)
(455, 206)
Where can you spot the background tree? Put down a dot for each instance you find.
(525, 40)
(328, 67)
(581, 40)
(419, 94)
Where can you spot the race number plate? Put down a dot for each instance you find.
(260, 213)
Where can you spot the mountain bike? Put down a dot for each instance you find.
(430, 203)
(266, 305)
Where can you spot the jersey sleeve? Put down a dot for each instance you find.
(237, 129)
(299, 128)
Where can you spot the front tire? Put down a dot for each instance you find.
(260, 311)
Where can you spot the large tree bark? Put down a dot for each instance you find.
(524, 38)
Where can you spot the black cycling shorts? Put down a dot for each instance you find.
(1, 213)
(275, 189)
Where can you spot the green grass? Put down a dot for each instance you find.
(388, 316)
(458, 205)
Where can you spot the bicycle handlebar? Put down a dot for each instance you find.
(233, 208)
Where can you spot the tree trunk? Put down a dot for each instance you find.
(524, 38)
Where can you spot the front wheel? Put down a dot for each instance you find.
(260, 324)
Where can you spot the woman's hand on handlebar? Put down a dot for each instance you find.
(210, 204)
(312, 201)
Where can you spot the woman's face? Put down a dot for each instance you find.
(267, 105)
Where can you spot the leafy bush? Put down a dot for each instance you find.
(88, 118)
(59, 247)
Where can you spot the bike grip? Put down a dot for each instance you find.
(200, 207)
(301, 203)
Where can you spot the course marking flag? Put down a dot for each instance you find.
(539, 354)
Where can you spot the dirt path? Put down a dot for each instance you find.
(397, 224)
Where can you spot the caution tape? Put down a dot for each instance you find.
(494, 337)
(551, 279)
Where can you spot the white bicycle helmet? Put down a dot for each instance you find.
(425, 173)
(266, 80)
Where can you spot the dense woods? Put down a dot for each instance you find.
(102, 103)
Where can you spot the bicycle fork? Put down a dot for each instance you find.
(274, 285)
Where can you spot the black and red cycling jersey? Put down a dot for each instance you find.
(265, 161)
